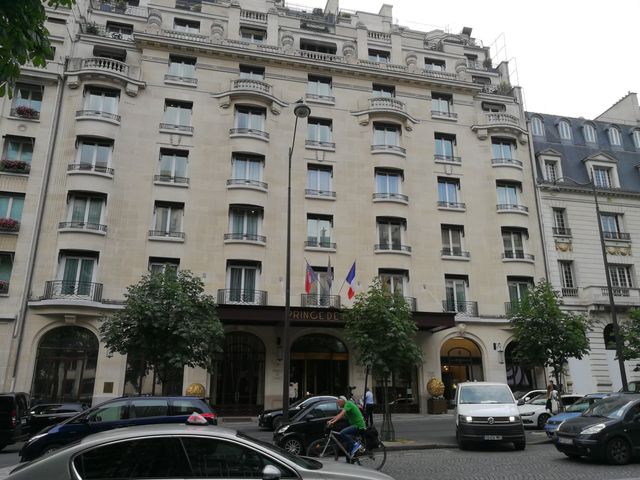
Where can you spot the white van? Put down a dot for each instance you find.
(487, 412)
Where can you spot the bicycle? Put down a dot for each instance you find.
(331, 446)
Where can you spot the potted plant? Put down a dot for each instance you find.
(4, 286)
(25, 111)
(15, 166)
(437, 403)
(120, 6)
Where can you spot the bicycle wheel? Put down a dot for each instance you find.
(322, 448)
(373, 458)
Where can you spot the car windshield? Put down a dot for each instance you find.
(303, 462)
(612, 407)
(580, 405)
(486, 394)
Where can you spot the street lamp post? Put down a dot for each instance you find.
(301, 110)
(612, 305)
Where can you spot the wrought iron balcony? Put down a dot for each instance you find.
(616, 235)
(245, 237)
(246, 182)
(82, 226)
(242, 297)
(250, 132)
(88, 167)
(391, 247)
(517, 255)
(447, 159)
(315, 243)
(177, 128)
(452, 205)
(391, 196)
(511, 207)
(470, 308)
(163, 234)
(509, 307)
(506, 162)
(9, 225)
(59, 289)
(388, 148)
(310, 192)
(319, 144)
(118, 7)
(322, 301)
(101, 31)
(170, 179)
(562, 231)
(99, 114)
(455, 252)
(569, 291)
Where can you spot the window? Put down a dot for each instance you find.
(388, 183)
(319, 229)
(503, 148)
(320, 292)
(442, 104)
(177, 113)
(245, 223)
(119, 31)
(434, 64)
(493, 107)
(319, 180)
(242, 281)
(94, 155)
(567, 277)
(385, 134)
(384, 91)
(101, 101)
(187, 26)
(18, 149)
(249, 119)
(182, 67)
(445, 146)
(537, 126)
(27, 101)
(379, 56)
(615, 138)
(173, 166)
(168, 220)
(602, 177)
(159, 265)
(589, 133)
(319, 132)
(253, 35)
(394, 282)
(119, 54)
(448, 191)
(518, 288)
(85, 211)
(452, 236)
(456, 293)
(250, 72)
(507, 194)
(513, 243)
(564, 130)
(611, 226)
(314, 46)
(6, 266)
(609, 337)
(636, 139)
(319, 87)
(620, 276)
(551, 170)
(560, 222)
(11, 205)
(389, 234)
(246, 167)
(77, 274)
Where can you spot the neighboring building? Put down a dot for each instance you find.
(171, 152)
(574, 151)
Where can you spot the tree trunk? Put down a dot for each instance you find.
(388, 433)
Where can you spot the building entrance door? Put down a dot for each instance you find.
(461, 361)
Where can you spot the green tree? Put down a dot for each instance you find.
(381, 327)
(547, 336)
(168, 322)
(23, 37)
(630, 334)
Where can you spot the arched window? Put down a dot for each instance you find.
(564, 129)
(589, 132)
(537, 127)
(615, 138)
(609, 337)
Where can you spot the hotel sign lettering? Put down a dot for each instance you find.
(320, 315)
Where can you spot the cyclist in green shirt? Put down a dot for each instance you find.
(356, 423)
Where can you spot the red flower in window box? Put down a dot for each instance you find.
(27, 112)
(9, 225)
(15, 166)
(4, 286)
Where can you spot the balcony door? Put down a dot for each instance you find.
(456, 294)
(242, 284)
(77, 276)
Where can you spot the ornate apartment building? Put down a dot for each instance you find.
(158, 138)
(570, 154)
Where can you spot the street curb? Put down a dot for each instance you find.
(420, 446)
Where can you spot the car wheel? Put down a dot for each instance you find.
(293, 446)
(618, 451)
(277, 422)
(520, 445)
(542, 419)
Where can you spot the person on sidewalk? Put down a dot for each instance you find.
(356, 424)
(368, 407)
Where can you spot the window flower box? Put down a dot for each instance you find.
(4, 287)
(24, 111)
(9, 225)
(14, 166)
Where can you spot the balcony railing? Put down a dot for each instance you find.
(443, 113)
(82, 226)
(163, 234)
(9, 225)
(508, 162)
(101, 31)
(509, 307)
(617, 291)
(315, 243)
(512, 207)
(253, 16)
(310, 192)
(447, 159)
(252, 132)
(569, 291)
(109, 6)
(190, 36)
(470, 308)
(177, 78)
(562, 231)
(322, 301)
(386, 103)
(98, 113)
(517, 255)
(103, 64)
(65, 289)
(242, 297)
(452, 205)
(320, 144)
(247, 182)
(616, 235)
(454, 252)
(251, 85)
(87, 167)
(502, 119)
(391, 247)
(171, 179)
(4, 287)
(388, 148)
(391, 196)
(245, 237)
(178, 128)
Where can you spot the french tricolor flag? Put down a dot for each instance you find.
(351, 278)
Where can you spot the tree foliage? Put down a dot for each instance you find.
(23, 37)
(168, 321)
(546, 335)
(630, 334)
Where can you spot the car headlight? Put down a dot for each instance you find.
(593, 429)
(283, 429)
(515, 419)
(523, 414)
(465, 419)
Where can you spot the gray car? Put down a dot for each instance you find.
(182, 451)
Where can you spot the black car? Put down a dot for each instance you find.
(14, 418)
(306, 426)
(272, 419)
(116, 413)
(608, 430)
(46, 414)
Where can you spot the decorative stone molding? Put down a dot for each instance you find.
(411, 61)
(349, 49)
(621, 251)
(564, 246)
(361, 25)
(461, 69)
(154, 18)
(217, 31)
(286, 40)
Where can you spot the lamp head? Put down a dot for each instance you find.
(301, 109)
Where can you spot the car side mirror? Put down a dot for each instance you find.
(269, 472)
(521, 401)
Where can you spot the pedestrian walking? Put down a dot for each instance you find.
(368, 407)
(550, 391)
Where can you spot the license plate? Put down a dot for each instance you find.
(493, 437)
(565, 441)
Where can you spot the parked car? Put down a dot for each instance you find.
(607, 430)
(572, 411)
(535, 414)
(487, 412)
(272, 419)
(46, 414)
(306, 426)
(116, 413)
(14, 418)
(183, 451)
(523, 396)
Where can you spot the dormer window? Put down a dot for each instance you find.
(537, 127)
(551, 170)
(602, 177)
(636, 139)
(564, 130)
(615, 138)
(589, 132)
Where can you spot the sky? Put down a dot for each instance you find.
(574, 58)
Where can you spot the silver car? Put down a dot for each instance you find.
(182, 451)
